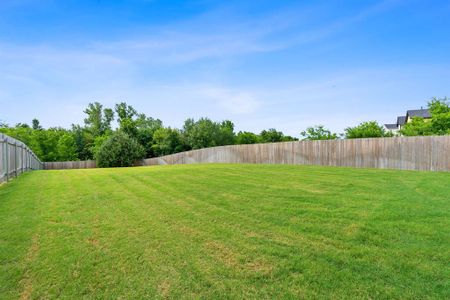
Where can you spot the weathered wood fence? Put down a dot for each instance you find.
(60, 165)
(16, 158)
(430, 153)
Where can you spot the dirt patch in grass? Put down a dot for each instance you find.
(164, 288)
(222, 253)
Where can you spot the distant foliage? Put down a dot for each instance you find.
(147, 134)
(273, 136)
(245, 137)
(206, 133)
(167, 141)
(35, 124)
(440, 115)
(416, 127)
(318, 133)
(366, 130)
(439, 123)
(98, 120)
(67, 148)
(119, 150)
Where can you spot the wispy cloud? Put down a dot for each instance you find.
(201, 37)
(234, 101)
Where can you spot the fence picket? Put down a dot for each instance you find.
(16, 158)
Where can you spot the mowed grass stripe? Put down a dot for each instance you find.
(225, 231)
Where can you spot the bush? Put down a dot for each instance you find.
(119, 150)
(318, 132)
(167, 141)
(366, 130)
(246, 138)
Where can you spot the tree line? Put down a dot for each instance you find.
(139, 136)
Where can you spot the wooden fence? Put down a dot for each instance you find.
(60, 165)
(430, 153)
(16, 158)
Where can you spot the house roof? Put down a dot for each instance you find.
(401, 120)
(423, 113)
(391, 126)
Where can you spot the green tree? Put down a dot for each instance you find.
(318, 132)
(98, 120)
(366, 130)
(440, 115)
(35, 124)
(98, 142)
(271, 136)
(84, 141)
(226, 135)
(20, 133)
(206, 133)
(245, 137)
(416, 127)
(22, 125)
(119, 150)
(145, 129)
(167, 141)
(67, 148)
(126, 116)
(45, 143)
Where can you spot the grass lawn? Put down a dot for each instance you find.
(225, 231)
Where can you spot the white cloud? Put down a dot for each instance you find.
(234, 101)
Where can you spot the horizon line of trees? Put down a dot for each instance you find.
(145, 136)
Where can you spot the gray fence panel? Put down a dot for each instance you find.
(16, 158)
(430, 153)
(61, 165)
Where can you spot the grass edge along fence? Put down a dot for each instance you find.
(16, 158)
(428, 153)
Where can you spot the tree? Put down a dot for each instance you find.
(126, 117)
(416, 127)
(45, 143)
(98, 142)
(318, 133)
(440, 116)
(119, 150)
(167, 141)
(98, 120)
(67, 148)
(35, 124)
(145, 129)
(22, 125)
(226, 133)
(271, 136)
(245, 137)
(366, 130)
(206, 133)
(84, 141)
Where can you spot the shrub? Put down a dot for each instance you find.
(366, 130)
(318, 132)
(167, 141)
(245, 137)
(119, 150)
(67, 148)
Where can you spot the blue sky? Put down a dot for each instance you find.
(262, 64)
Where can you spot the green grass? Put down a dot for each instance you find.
(225, 231)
